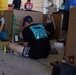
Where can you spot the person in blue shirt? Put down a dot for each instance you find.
(68, 4)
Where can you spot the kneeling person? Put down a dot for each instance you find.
(35, 35)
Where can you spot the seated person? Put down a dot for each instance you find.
(50, 27)
(35, 43)
(3, 34)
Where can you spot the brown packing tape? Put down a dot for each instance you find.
(7, 14)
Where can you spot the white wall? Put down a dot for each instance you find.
(39, 6)
(10, 1)
(54, 1)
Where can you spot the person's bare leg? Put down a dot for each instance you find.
(16, 47)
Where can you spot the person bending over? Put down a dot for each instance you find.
(35, 40)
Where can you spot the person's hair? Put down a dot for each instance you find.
(27, 19)
(29, 0)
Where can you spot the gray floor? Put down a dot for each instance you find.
(11, 64)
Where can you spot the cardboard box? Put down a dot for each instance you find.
(18, 19)
(7, 14)
(70, 51)
(14, 20)
(57, 21)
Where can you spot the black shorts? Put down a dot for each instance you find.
(25, 52)
(65, 20)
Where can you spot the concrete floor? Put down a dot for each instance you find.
(11, 64)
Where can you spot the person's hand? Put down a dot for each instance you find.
(2, 20)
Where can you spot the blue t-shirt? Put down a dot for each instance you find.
(69, 3)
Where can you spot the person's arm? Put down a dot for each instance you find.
(25, 35)
(2, 23)
(1, 27)
(31, 6)
(24, 43)
(13, 3)
(48, 32)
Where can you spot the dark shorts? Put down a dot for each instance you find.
(25, 52)
(65, 20)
